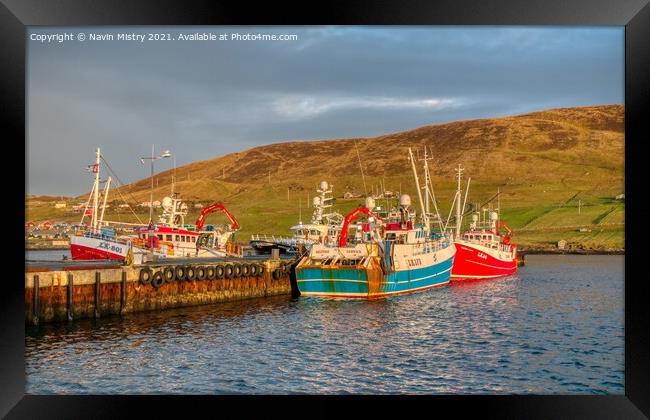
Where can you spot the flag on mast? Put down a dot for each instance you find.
(94, 168)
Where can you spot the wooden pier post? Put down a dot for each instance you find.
(123, 293)
(70, 297)
(97, 293)
(35, 301)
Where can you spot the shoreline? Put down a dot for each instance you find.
(531, 251)
(534, 251)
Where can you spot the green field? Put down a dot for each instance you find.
(535, 227)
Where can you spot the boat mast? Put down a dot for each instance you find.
(151, 195)
(108, 185)
(458, 208)
(96, 191)
(496, 228)
(417, 185)
(85, 212)
(365, 190)
(427, 181)
(469, 180)
(173, 176)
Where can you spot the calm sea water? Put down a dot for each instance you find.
(555, 328)
(47, 254)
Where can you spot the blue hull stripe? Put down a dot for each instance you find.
(354, 281)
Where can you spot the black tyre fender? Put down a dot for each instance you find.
(277, 273)
(236, 270)
(169, 274)
(219, 271)
(201, 273)
(261, 269)
(145, 275)
(228, 271)
(157, 280)
(181, 272)
(245, 270)
(190, 273)
(210, 272)
(253, 270)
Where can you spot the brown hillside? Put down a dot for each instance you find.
(537, 147)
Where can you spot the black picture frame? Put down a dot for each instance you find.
(15, 15)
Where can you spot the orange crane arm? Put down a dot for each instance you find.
(506, 239)
(353, 215)
(212, 207)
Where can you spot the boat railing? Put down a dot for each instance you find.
(105, 237)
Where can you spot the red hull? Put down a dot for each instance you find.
(80, 252)
(473, 263)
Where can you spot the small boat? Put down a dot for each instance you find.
(482, 251)
(387, 257)
(324, 225)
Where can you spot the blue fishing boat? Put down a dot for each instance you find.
(386, 257)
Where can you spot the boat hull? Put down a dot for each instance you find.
(88, 248)
(476, 262)
(371, 282)
(263, 247)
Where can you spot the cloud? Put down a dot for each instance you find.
(309, 106)
(204, 99)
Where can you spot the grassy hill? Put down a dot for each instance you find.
(543, 163)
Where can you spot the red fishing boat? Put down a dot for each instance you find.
(169, 238)
(482, 251)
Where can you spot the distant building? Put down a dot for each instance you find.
(123, 206)
(561, 244)
(620, 197)
(59, 205)
(148, 203)
(198, 205)
(350, 194)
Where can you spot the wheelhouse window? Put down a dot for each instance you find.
(168, 238)
(160, 237)
(193, 238)
(178, 238)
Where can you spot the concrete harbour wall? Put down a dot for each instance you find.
(92, 292)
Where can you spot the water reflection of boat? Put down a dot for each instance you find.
(324, 225)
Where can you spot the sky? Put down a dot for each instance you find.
(202, 99)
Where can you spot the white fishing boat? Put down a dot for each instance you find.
(324, 227)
